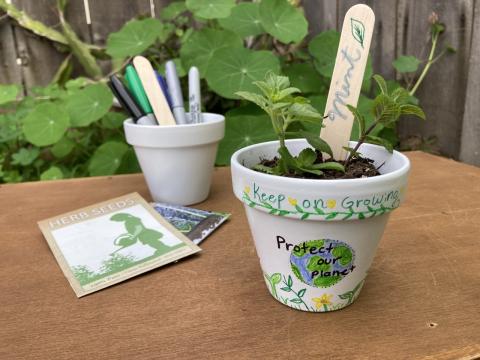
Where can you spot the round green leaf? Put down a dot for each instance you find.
(283, 21)
(113, 120)
(88, 104)
(211, 9)
(241, 131)
(244, 20)
(8, 93)
(53, 173)
(174, 9)
(200, 47)
(406, 64)
(234, 69)
(107, 158)
(134, 37)
(323, 48)
(62, 148)
(305, 77)
(45, 124)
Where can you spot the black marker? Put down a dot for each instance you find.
(128, 103)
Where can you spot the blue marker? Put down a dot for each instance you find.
(163, 85)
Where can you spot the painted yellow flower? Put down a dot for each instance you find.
(323, 301)
(292, 201)
(331, 203)
(247, 189)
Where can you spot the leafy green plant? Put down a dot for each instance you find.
(387, 109)
(285, 109)
(69, 128)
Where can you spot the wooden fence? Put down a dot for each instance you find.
(450, 94)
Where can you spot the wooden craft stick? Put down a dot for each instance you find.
(347, 77)
(154, 91)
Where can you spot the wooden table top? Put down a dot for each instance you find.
(421, 298)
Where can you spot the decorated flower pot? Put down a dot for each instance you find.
(177, 161)
(316, 239)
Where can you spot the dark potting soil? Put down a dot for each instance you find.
(355, 169)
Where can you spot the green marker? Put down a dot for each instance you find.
(137, 90)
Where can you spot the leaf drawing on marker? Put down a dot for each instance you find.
(358, 30)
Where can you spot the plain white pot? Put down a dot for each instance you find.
(316, 239)
(177, 161)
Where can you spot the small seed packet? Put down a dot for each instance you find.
(194, 223)
(112, 241)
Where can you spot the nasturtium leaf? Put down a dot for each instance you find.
(283, 21)
(45, 124)
(25, 156)
(211, 9)
(244, 20)
(107, 158)
(8, 93)
(113, 120)
(62, 148)
(9, 128)
(406, 64)
(200, 48)
(305, 77)
(234, 69)
(52, 173)
(241, 131)
(129, 163)
(88, 104)
(323, 48)
(172, 10)
(134, 37)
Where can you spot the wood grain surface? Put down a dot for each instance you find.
(420, 301)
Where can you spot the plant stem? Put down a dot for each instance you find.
(361, 141)
(428, 65)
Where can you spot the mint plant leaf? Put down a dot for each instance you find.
(283, 21)
(244, 20)
(134, 37)
(45, 124)
(409, 109)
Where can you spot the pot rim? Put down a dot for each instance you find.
(308, 182)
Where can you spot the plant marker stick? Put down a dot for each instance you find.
(347, 77)
(194, 100)
(128, 103)
(154, 92)
(175, 92)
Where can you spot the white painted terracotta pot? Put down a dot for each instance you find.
(316, 239)
(177, 161)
